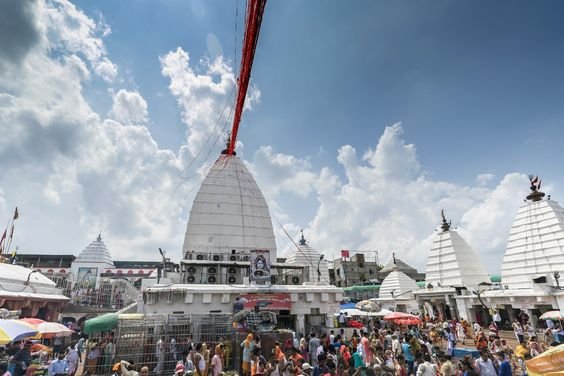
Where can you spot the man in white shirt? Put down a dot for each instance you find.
(396, 345)
(485, 365)
(497, 320)
(342, 319)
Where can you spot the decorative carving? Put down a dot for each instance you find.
(445, 226)
(536, 194)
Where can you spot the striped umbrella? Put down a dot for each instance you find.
(14, 330)
(53, 329)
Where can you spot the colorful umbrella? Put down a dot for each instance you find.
(53, 329)
(551, 315)
(14, 330)
(33, 321)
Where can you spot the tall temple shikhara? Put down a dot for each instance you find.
(535, 248)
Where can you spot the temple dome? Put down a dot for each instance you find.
(452, 262)
(535, 247)
(305, 255)
(95, 253)
(229, 212)
(400, 284)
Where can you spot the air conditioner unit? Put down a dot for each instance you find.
(232, 270)
(245, 258)
(200, 257)
(212, 279)
(217, 257)
(234, 257)
(191, 279)
(191, 270)
(295, 280)
(212, 270)
(234, 279)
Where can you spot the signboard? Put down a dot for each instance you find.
(267, 302)
(260, 265)
(86, 278)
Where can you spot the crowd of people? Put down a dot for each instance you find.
(382, 348)
(25, 358)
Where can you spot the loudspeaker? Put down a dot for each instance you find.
(540, 279)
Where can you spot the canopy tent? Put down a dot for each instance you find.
(383, 312)
(103, 323)
(357, 312)
(348, 305)
(108, 321)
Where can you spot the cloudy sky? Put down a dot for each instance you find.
(363, 121)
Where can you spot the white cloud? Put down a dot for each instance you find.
(387, 203)
(68, 29)
(484, 179)
(129, 107)
(106, 70)
(204, 98)
(70, 171)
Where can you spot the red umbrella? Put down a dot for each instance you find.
(409, 321)
(397, 315)
(403, 318)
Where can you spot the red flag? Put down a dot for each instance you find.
(16, 214)
(345, 253)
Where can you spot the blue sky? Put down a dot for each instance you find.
(476, 86)
(460, 76)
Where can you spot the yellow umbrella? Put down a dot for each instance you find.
(549, 363)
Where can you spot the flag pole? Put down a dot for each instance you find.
(14, 217)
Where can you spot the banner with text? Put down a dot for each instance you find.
(267, 302)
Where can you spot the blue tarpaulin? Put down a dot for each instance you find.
(348, 305)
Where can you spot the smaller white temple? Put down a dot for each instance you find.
(453, 270)
(91, 263)
(303, 254)
(397, 291)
